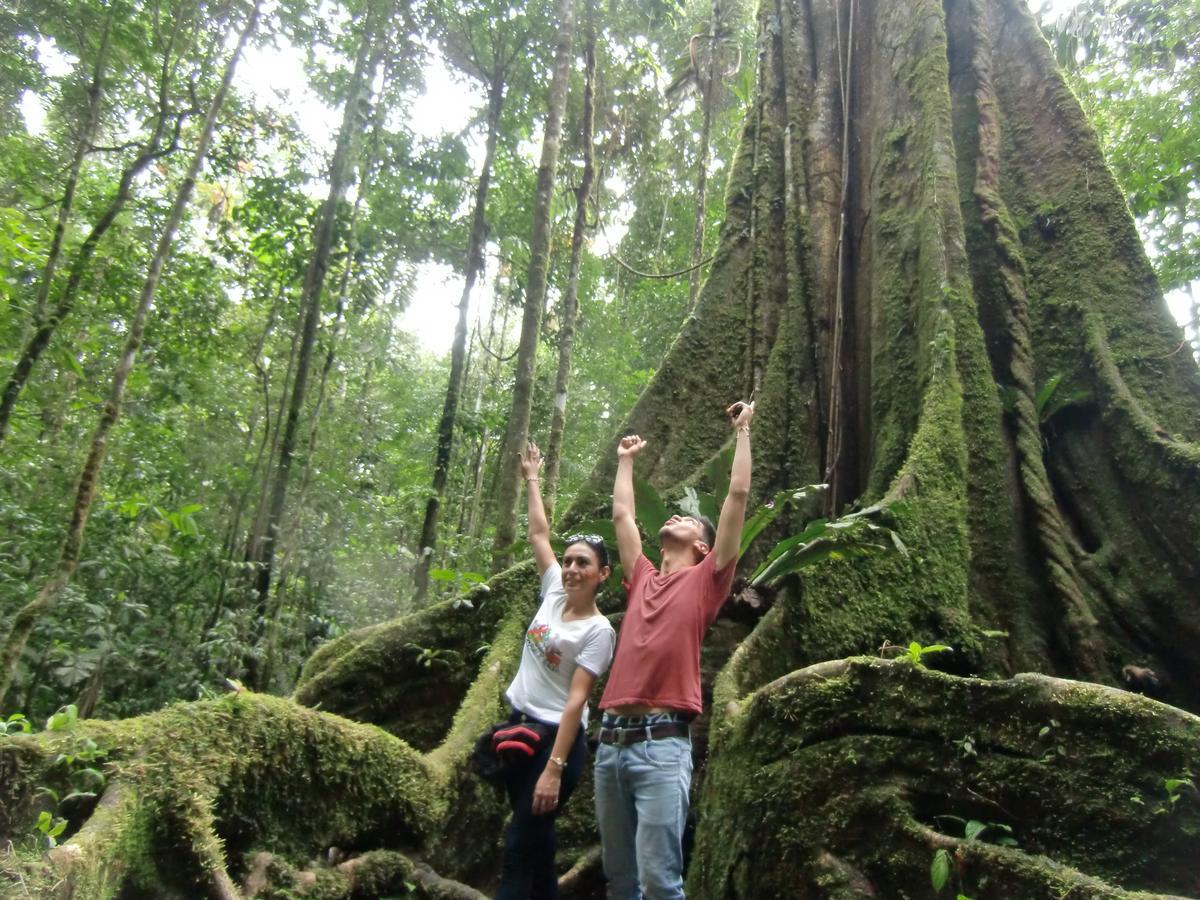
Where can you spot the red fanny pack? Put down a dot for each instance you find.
(518, 743)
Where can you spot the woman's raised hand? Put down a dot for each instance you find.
(531, 461)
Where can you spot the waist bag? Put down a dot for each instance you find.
(506, 746)
(516, 744)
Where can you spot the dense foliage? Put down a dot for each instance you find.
(103, 105)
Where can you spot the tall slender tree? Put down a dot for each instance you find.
(372, 44)
(487, 50)
(570, 297)
(517, 432)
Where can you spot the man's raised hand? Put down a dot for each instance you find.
(740, 413)
(630, 445)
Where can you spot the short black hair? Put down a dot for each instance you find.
(591, 540)
(710, 530)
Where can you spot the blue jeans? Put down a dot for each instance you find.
(641, 808)
(530, 843)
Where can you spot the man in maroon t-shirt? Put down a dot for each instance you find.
(644, 764)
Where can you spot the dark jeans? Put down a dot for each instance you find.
(529, 841)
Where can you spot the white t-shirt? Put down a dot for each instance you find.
(553, 648)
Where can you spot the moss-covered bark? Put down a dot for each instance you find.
(195, 791)
(986, 253)
(851, 775)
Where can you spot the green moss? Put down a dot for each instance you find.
(870, 747)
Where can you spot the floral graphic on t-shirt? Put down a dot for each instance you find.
(540, 640)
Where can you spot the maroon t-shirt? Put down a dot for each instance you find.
(658, 649)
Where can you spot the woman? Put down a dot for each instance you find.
(568, 645)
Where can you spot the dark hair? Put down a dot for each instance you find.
(595, 542)
(710, 531)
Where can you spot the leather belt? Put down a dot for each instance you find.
(626, 736)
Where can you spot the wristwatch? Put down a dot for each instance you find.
(558, 761)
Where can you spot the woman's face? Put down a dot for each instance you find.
(581, 569)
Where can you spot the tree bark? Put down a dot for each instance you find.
(29, 615)
(476, 246)
(517, 431)
(570, 304)
(706, 84)
(372, 46)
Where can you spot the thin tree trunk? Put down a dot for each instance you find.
(708, 99)
(475, 250)
(293, 537)
(370, 53)
(531, 321)
(91, 120)
(273, 434)
(481, 456)
(32, 612)
(47, 325)
(566, 336)
(1195, 325)
(239, 502)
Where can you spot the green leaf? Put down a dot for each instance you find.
(763, 516)
(939, 870)
(974, 829)
(797, 559)
(1044, 395)
(651, 511)
(442, 574)
(64, 719)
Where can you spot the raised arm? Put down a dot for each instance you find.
(539, 526)
(629, 542)
(733, 512)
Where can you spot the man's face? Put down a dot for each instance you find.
(684, 530)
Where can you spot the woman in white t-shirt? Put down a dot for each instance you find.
(568, 645)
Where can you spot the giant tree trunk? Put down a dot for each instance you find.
(517, 432)
(988, 244)
(29, 615)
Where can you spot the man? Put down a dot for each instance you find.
(644, 763)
